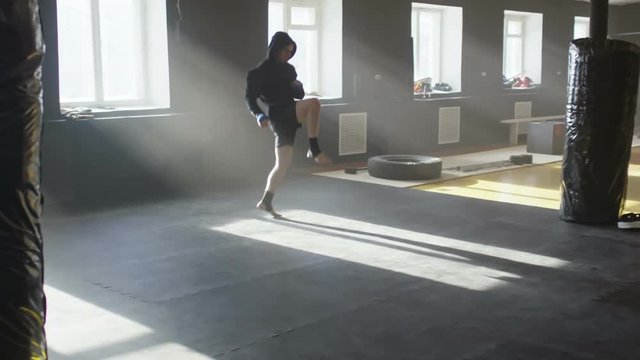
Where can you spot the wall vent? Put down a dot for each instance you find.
(449, 125)
(352, 134)
(522, 110)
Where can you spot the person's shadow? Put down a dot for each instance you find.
(432, 250)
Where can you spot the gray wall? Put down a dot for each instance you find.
(626, 27)
(215, 143)
(624, 19)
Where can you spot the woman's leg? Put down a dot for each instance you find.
(308, 111)
(284, 154)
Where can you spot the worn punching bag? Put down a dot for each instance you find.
(22, 299)
(602, 92)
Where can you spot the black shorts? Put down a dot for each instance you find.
(284, 123)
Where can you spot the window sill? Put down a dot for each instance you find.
(439, 95)
(132, 112)
(331, 101)
(323, 99)
(522, 91)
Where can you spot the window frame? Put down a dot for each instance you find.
(99, 102)
(523, 34)
(581, 20)
(449, 70)
(416, 12)
(288, 26)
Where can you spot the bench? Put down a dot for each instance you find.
(514, 125)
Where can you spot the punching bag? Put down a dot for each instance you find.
(22, 300)
(602, 93)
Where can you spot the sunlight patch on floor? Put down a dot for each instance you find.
(450, 261)
(501, 192)
(75, 325)
(537, 186)
(76, 328)
(162, 351)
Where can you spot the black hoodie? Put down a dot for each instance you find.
(271, 81)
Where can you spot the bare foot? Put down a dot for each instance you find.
(262, 206)
(321, 159)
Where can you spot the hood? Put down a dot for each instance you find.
(279, 41)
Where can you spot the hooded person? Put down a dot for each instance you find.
(274, 81)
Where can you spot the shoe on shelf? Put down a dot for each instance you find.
(629, 221)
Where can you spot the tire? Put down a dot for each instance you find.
(405, 167)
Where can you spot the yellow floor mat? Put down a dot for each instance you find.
(537, 186)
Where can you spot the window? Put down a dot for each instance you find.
(437, 48)
(522, 54)
(113, 53)
(316, 27)
(581, 27)
(426, 37)
(514, 46)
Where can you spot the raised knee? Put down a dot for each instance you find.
(314, 103)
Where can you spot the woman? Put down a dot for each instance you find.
(275, 82)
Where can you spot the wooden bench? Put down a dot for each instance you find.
(514, 125)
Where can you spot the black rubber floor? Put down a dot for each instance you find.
(356, 271)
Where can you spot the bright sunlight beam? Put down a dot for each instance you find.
(537, 186)
(76, 327)
(408, 252)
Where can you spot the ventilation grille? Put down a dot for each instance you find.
(522, 109)
(449, 125)
(353, 134)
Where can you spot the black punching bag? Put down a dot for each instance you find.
(22, 300)
(602, 92)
